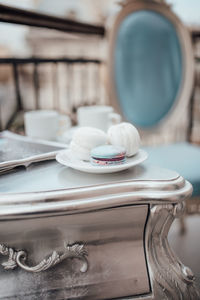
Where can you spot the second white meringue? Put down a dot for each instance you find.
(125, 135)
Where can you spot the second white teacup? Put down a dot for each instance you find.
(43, 124)
(98, 116)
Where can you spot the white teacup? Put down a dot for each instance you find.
(98, 116)
(44, 124)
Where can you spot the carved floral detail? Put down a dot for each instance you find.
(17, 258)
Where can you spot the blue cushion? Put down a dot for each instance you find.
(181, 157)
(147, 67)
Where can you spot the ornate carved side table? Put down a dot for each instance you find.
(71, 235)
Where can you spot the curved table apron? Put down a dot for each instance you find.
(65, 234)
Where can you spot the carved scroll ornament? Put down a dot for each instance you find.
(17, 258)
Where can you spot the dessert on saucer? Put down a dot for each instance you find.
(94, 145)
(107, 155)
(94, 151)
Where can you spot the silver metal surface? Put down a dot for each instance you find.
(17, 258)
(85, 192)
(114, 242)
(123, 220)
(51, 176)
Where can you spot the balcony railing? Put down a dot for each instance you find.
(61, 83)
(70, 82)
(31, 18)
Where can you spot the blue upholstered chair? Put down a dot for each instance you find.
(151, 79)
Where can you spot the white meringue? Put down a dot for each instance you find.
(84, 139)
(79, 152)
(125, 135)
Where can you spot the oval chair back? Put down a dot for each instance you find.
(150, 66)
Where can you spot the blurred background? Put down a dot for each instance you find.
(61, 85)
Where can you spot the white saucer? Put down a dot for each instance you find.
(66, 158)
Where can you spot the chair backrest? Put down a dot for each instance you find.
(150, 63)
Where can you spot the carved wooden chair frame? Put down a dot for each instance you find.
(184, 93)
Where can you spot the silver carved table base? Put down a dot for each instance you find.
(106, 240)
(170, 278)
